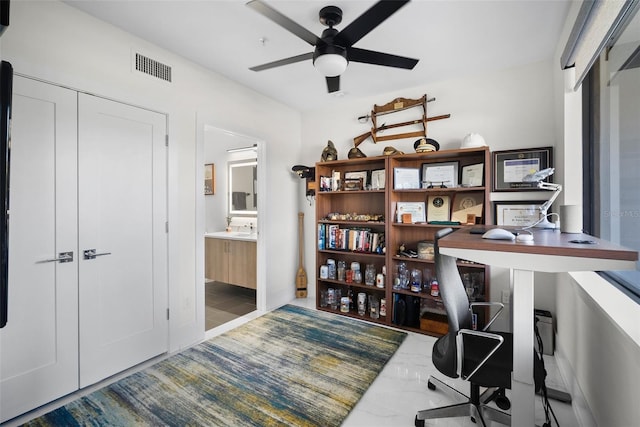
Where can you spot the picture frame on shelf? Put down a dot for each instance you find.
(326, 183)
(472, 175)
(443, 175)
(511, 166)
(378, 178)
(406, 178)
(352, 184)
(415, 209)
(465, 204)
(438, 208)
(517, 213)
(357, 175)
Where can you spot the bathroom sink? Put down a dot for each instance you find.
(249, 235)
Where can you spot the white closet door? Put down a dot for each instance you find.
(122, 213)
(39, 345)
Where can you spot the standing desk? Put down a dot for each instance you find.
(552, 252)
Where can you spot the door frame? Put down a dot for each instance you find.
(204, 121)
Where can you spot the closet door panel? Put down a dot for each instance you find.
(39, 345)
(122, 214)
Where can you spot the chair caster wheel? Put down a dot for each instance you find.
(503, 403)
(431, 385)
(419, 423)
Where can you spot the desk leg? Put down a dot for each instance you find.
(522, 387)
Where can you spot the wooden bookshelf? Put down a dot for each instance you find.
(370, 213)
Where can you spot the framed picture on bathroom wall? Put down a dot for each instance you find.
(209, 179)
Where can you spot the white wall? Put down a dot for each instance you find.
(511, 109)
(51, 41)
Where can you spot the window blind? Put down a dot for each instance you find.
(597, 24)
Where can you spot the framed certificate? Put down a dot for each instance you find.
(406, 178)
(510, 167)
(438, 208)
(466, 204)
(416, 209)
(472, 175)
(442, 175)
(378, 179)
(519, 214)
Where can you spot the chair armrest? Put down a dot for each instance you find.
(460, 344)
(486, 304)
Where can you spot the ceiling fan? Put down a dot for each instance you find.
(334, 49)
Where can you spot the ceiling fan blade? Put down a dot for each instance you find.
(333, 84)
(286, 61)
(379, 58)
(368, 21)
(286, 23)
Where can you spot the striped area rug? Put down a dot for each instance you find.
(291, 367)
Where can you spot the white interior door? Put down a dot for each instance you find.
(122, 214)
(39, 345)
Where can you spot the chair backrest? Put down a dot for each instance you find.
(452, 291)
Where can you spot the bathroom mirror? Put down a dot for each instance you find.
(242, 191)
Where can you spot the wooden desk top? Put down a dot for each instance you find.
(546, 242)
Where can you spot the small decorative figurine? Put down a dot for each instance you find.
(355, 153)
(390, 151)
(329, 153)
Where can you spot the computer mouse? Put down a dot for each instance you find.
(498, 234)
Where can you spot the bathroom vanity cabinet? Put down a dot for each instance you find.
(230, 259)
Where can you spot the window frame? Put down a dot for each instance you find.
(591, 171)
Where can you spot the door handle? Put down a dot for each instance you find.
(91, 254)
(62, 258)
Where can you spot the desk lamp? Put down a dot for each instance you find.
(557, 188)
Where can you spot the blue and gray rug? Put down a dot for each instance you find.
(290, 367)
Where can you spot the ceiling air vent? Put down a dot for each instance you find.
(153, 68)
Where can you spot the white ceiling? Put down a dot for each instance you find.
(451, 38)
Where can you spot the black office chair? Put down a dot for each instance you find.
(485, 359)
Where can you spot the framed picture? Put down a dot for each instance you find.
(467, 206)
(406, 178)
(472, 175)
(511, 166)
(351, 184)
(518, 214)
(357, 175)
(326, 183)
(443, 175)
(438, 208)
(415, 209)
(378, 179)
(209, 179)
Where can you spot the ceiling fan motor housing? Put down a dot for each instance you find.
(328, 47)
(330, 16)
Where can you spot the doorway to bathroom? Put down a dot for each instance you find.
(230, 239)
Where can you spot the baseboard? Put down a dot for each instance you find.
(578, 402)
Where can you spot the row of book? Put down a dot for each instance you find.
(357, 239)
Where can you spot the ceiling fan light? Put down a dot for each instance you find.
(330, 64)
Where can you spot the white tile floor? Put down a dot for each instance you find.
(401, 390)
(394, 397)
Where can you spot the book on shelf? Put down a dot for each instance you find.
(321, 236)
